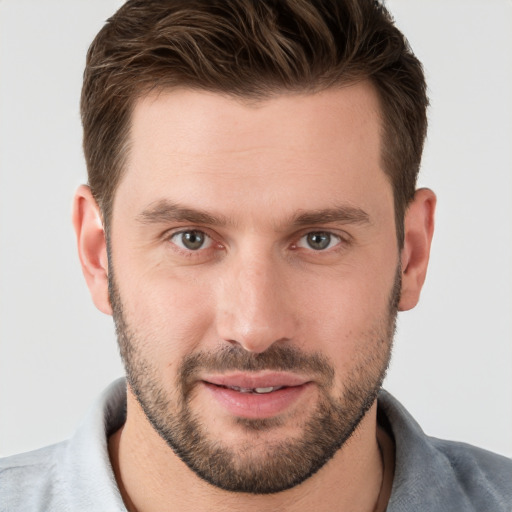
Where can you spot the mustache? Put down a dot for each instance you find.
(276, 358)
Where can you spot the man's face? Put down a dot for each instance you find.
(254, 277)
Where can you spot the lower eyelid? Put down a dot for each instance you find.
(211, 243)
(207, 244)
(337, 238)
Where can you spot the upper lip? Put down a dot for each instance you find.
(256, 380)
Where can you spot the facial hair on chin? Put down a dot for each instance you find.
(279, 465)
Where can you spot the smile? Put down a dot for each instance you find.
(256, 396)
(255, 390)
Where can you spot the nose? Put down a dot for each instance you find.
(254, 304)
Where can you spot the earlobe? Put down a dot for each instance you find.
(418, 229)
(92, 247)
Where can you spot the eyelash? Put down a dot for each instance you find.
(340, 240)
(190, 252)
(331, 237)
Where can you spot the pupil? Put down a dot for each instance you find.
(319, 241)
(193, 239)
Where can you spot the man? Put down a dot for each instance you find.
(251, 222)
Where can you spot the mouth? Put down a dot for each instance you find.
(256, 396)
(259, 391)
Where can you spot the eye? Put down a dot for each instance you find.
(191, 240)
(319, 240)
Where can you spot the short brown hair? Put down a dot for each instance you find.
(250, 49)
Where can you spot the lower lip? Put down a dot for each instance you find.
(256, 405)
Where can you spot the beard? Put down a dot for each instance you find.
(258, 466)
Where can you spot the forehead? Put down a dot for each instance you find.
(201, 120)
(217, 150)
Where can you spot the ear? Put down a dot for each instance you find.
(92, 247)
(418, 229)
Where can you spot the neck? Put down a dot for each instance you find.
(152, 478)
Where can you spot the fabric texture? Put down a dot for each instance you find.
(431, 475)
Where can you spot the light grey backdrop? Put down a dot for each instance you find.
(453, 357)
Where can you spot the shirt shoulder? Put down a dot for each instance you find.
(74, 475)
(435, 475)
(484, 477)
(29, 481)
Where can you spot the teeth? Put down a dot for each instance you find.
(241, 390)
(255, 390)
(264, 390)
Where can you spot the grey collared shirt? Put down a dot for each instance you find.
(431, 475)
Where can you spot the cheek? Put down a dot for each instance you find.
(171, 315)
(346, 314)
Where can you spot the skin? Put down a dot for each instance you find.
(256, 166)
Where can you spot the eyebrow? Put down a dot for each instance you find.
(341, 214)
(164, 211)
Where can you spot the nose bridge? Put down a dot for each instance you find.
(254, 308)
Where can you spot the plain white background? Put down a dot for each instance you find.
(452, 363)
